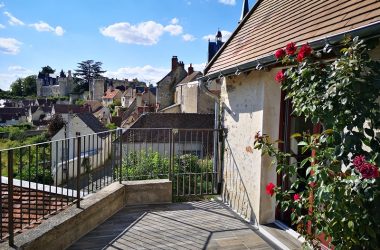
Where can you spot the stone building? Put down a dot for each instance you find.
(56, 86)
(166, 86)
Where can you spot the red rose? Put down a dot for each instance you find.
(369, 171)
(312, 184)
(358, 161)
(296, 197)
(280, 76)
(291, 49)
(305, 51)
(280, 53)
(270, 189)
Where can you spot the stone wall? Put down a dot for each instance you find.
(166, 87)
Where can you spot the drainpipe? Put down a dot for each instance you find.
(217, 150)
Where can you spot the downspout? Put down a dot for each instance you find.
(217, 163)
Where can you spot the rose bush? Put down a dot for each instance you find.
(339, 193)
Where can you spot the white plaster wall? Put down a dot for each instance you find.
(61, 166)
(249, 104)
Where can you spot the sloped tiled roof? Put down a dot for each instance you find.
(271, 24)
(30, 206)
(192, 77)
(67, 108)
(92, 122)
(175, 120)
(110, 94)
(95, 105)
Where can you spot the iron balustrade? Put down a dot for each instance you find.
(39, 180)
(42, 179)
(188, 157)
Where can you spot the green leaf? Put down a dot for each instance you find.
(350, 224)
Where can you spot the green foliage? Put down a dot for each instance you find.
(46, 70)
(111, 126)
(24, 86)
(86, 72)
(341, 96)
(55, 124)
(80, 102)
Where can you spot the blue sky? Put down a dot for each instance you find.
(133, 38)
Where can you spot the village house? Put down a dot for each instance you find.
(99, 111)
(166, 86)
(12, 116)
(111, 96)
(94, 148)
(66, 109)
(251, 100)
(152, 132)
(189, 98)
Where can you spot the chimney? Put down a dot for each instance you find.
(174, 62)
(190, 69)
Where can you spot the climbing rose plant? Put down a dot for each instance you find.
(338, 196)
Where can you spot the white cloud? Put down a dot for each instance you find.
(228, 2)
(9, 46)
(174, 21)
(2, 26)
(45, 27)
(188, 37)
(147, 73)
(225, 35)
(14, 72)
(13, 20)
(59, 31)
(2, 5)
(174, 29)
(145, 33)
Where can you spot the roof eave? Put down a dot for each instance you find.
(365, 32)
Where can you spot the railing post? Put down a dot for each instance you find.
(10, 197)
(120, 154)
(78, 167)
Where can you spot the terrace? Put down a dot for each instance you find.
(115, 190)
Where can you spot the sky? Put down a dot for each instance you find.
(132, 38)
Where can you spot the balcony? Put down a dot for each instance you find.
(131, 189)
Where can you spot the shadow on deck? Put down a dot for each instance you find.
(190, 225)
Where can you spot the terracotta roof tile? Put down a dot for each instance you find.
(272, 23)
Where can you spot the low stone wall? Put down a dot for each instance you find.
(63, 229)
(148, 192)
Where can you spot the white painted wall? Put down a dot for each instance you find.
(64, 157)
(250, 103)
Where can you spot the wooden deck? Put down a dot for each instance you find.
(190, 225)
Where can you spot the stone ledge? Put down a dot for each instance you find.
(148, 192)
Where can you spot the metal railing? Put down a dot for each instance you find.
(188, 157)
(39, 180)
(42, 179)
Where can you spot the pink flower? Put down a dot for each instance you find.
(280, 53)
(270, 189)
(305, 51)
(296, 197)
(369, 171)
(312, 184)
(291, 48)
(280, 76)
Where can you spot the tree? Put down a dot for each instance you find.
(29, 84)
(62, 74)
(17, 87)
(55, 124)
(87, 71)
(47, 70)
